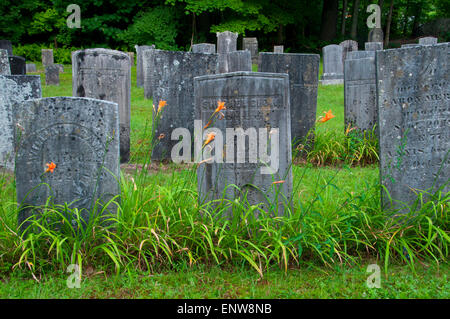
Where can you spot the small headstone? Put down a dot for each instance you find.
(414, 107)
(30, 67)
(6, 45)
(13, 89)
(47, 57)
(81, 137)
(360, 92)
(410, 45)
(173, 82)
(239, 61)
(226, 42)
(428, 41)
(52, 75)
(261, 166)
(333, 69)
(204, 48)
(348, 46)
(278, 48)
(376, 35)
(17, 65)
(373, 46)
(303, 70)
(251, 44)
(140, 65)
(5, 68)
(106, 75)
(131, 55)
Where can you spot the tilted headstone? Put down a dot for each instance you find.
(30, 67)
(428, 41)
(17, 65)
(303, 70)
(256, 155)
(239, 61)
(360, 92)
(251, 44)
(13, 89)
(226, 42)
(373, 46)
(376, 35)
(106, 75)
(173, 82)
(348, 46)
(139, 64)
(5, 68)
(278, 48)
(204, 48)
(6, 45)
(52, 75)
(333, 69)
(47, 57)
(413, 94)
(81, 137)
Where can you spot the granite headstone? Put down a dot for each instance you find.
(239, 61)
(278, 48)
(140, 65)
(348, 46)
(226, 42)
(251, 44)
(204, 48)
(428, 41)
(333, 69)
(52, 75)
(47, 57)
(376, 35)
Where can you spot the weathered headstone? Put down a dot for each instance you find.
(376, 35)
(413, 95)
(17, 65)
(333, 69)
(226, 42)
(52, 75)
(278, 48)
(139, 64)
(131, 55)
(409, 45)
(373, 46)
(348, 46)
(360, 109)
(6, 45)
(303, 70)
(251, 44)
(81, 137)
(5, 68)
(173, 82)
(60, 67)
(47, 57)
(362, 54)
(13, 89)
(106, 75)
(428, 41)
(30, 67)
(239, 61)
(257, 115)
(204, 48)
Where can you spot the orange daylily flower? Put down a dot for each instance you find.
(278, 182)
(209, 138)
(161, 104)
(50, 167)
(220, 106)
(328, 116)
(161, 136)
(349, 129)
(207, 125)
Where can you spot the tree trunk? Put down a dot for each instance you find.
(388, 25)
(354, 31)
(280, 34)
(329, 20)
(344, 15)
(417, 14)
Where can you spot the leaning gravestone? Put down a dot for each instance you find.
(173, 82)
(106, 75)
(278, 48)
(428, 41)
(226, 42)
(333, 69)
(373, 46)
(30, 67)
(239, 61)
(5, 68)
(360, 91)
(17, 65)
(6, 45)
(204, 48)
(52, 75)
(303, 70)
(348, 46)
(376, 35)
(47, 57)
(257, 105)
(251, 44)
(81, 137)
(414, 106)
(13, 89)
(139, 63)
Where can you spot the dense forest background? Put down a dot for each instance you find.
(301, 25)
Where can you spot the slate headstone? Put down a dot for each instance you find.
(428, 41)
(106, 75)
(257, 102)
(226, 42)
(5, 68)
(52, 75)
(376, 35)
(303, 70)
(333, 69)
(204, 48)
(81, 137)
(47, 57)
(278, 48)
(6, 45)
(348, 46)
(251, 44)
(373, 46)
(239, 61)
(30, 67)
(13, 89)
(17, 65)
(140, 65)
(413, 95)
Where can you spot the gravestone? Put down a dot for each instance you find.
(106, 75)
(13, 89)
(52, 75)
(348, 46)
(5, 68)
(17, 65)
(226, 42)
(413, 94)
(251, 44)
(80, 136)
(360, 109)
(362, 54)
(131, 55)
(409, 45)
(333, 69)
(278, 48)
(239, 61)
(60, 67)
(255, 102)
(6, 45)
(373, 46)
(47, 57)
(30, 67)
(303, 70)
(428, 41)
(204, 48)
(139, 64)
(173, 82)
(376, 35)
